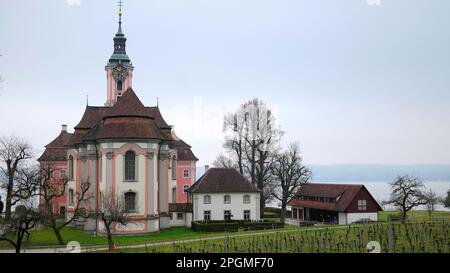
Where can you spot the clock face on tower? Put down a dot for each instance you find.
(120, 73)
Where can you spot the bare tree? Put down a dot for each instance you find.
(112, 211)
(432, 200)
(446, 201)
(49, 190)
(407, 193)
(290, 175)
(13, 152)
(252, 139)
(223, 161)
(234, 138)
(17, 227)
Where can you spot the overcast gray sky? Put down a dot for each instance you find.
(351, 82)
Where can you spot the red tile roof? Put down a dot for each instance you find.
(92, 115)
(56, 150)
(184, 154)
(346, 192)
(222, 180)
(128, 105)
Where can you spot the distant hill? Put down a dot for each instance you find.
(374, 173)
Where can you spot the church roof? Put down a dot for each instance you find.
(55, 150)
(222, 180)
(92, 115)
(128, 105)
(127, 118)
(60, 140)
(186, 154)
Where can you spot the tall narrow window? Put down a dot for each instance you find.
(186, 174)
(174, 195)
(70, 167)
(71, 196)
(119, 85)
(174, 168)
(130, 201)
(130, 166)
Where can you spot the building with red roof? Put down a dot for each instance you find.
(334, 203)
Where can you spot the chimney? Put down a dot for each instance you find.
(206, 168)
(64, 128)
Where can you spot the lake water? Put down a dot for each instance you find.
(382, 190)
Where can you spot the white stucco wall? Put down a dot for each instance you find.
(353, 217)
(342, 218)
(217, 206)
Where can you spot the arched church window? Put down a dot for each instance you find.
(130, 165)
(130, 201)
(70, 167)
(119, 85)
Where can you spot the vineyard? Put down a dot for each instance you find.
(423, 237)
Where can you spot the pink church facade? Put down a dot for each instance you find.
(127, 150)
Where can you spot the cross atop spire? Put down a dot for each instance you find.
(120, 54)
(120, 16)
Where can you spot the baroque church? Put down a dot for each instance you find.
(125, 149)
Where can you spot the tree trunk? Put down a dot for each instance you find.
(403, 216)
(8, 204)
(283, 212)
(110, 241)
(57, 232)
(53, 224)
(110, 237)
(19, 241)
(262, 205)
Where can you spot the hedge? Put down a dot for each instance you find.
(215, 227)
(234, 225)
(262, 225)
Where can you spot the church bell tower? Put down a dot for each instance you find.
(119, 70)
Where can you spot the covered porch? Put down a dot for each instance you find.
(315, 215)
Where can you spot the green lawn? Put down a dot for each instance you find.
(415, 215)
(45, 237)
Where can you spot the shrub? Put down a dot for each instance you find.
(234, 225)
(262, 225)
(222, 226)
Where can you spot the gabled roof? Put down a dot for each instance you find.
(185, 154)
(345, 192)
(55, 150)
(222, 180)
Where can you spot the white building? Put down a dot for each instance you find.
(224, 194)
